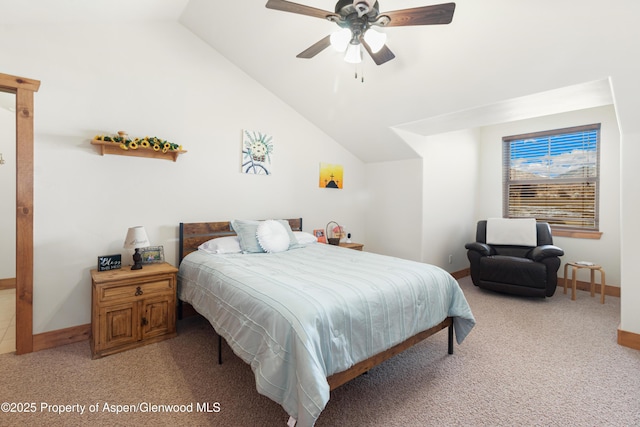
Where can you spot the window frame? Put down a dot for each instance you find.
(558, 229)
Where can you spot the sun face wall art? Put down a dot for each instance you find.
(256, 153)
(330, 175)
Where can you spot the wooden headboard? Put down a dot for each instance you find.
(193, 234)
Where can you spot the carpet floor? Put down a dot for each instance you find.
(528, 362)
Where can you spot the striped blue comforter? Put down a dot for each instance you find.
(302, 315)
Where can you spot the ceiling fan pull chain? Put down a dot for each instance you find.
(355, 67)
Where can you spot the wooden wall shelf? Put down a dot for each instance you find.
(108, 147)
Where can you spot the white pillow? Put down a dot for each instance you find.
(304, 238)
(272, 236)
(222, 245)
(293, 242)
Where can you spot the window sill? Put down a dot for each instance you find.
(576, 234)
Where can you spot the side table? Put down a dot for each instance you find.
(593, 267)
(131, 308)
(352, 245)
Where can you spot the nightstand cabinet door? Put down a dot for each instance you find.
(131, 308)
(118, 324)
(158, 318)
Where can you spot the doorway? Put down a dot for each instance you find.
(8, 223)
(23, 89)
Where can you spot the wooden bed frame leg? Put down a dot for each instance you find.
(337, 379)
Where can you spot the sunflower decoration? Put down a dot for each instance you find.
(126, 143)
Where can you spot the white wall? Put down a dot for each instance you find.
(626, 90)
(605, 251)
(157, 80)
(394, 213)
(424, 209)
(450, 163)
(630, 193)
(8, 191)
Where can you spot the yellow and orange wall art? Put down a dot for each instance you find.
(331, 175)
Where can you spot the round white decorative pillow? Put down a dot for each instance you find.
(272, 236)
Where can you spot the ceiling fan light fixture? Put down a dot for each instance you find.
(375, 39)
(363, 7)
(354, 54)
(359, 16)
(340, 39)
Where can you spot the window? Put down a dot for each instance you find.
(553, 176)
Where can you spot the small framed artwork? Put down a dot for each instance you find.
(319, 233)
(257, 148)
(331, 175)
(109, 262)
(152, 254)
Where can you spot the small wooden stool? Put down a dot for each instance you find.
(593, 267)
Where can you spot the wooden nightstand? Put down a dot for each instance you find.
(355, 246)
(131, 308)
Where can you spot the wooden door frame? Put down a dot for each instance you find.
(23, 89)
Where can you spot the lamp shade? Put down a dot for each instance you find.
(136, 238)
(340, 39)
(354, 54)
(375, 39)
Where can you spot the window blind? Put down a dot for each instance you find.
(553, 176)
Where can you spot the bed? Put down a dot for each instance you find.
(314, 316)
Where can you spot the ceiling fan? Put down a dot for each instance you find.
(356, 19)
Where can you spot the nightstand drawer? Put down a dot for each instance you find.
(138, 289)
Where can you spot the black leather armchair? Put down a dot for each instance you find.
(519, 270)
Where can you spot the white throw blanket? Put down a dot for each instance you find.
(507, 231)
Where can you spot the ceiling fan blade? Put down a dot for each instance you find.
(287, 6)
(426, 15)
(315, 48)
(381, 56)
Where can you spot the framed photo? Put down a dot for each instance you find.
(319, 233)
(109, 262)
(152, 254)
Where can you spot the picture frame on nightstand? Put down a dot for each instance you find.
(152, 254)
(319, 233)
(109, 262)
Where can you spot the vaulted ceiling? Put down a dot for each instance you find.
(499, 60)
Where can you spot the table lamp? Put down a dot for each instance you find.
(136, 239)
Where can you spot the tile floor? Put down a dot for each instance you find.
(7, 320)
